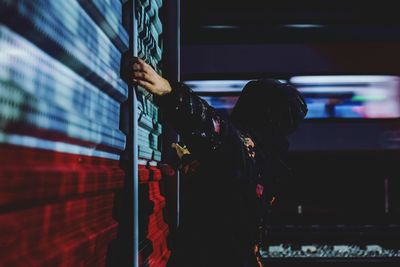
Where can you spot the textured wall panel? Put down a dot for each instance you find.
(60, 142)
(153, 230)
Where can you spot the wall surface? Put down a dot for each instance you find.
(60, 143)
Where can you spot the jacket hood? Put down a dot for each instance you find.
(269, 106)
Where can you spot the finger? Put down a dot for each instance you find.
(142, 66)
(138, 67)
(146, 66)
(141, 61)
(148, 86)
(145, 77)
(138, 74)
(141, 75)
(173, 145)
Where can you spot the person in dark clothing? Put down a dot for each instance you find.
(239, 164)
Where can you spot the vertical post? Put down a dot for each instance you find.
(178, 67)
(134, 127)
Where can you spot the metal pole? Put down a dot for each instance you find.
(134, 118)
(178, 74)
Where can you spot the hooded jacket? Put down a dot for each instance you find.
(242, 161)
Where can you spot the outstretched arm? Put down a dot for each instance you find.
(198, 123)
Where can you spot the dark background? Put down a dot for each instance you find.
(342, 167)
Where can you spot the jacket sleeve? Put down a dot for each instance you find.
(189, 165)
(199, 124)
